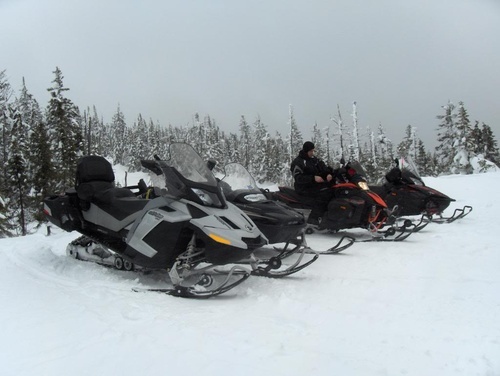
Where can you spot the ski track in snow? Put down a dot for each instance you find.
(429, 305)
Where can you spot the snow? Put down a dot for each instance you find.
(427, 306)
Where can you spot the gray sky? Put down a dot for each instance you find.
(400, 60)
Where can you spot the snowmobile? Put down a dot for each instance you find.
(187, 228)
(277, 221)
(405, 191)
(353, 205)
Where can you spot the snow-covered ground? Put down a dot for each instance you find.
(427, 306)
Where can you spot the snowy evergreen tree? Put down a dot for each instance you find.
(63, 120)
(489, 145)
(138, 146)
(91, 128)
(445, 151)
(5, 127)
(408, 146)
(464, 148)
(18, 173)
(424, 160)
(260, 153)
(354, 148)
(245, 146)
(384, 144)
(37, 156)
(5, 226)
(213, 144)
(476, 137)
(370, 159)
(320, 146)
(294, 139)
(42, 168)
(279, 166)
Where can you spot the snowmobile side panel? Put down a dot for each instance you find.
(159, 248)
(344, 213)
(100, 217)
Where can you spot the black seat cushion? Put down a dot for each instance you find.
(93, 168)
(95, 182)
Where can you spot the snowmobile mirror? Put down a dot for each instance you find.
(152, 166)
(211, 164)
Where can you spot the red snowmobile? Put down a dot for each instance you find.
(353, 205)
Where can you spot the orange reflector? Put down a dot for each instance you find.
(219, 239)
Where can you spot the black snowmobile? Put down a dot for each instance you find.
(405, 191)
(353, 205)
(277, 221)
(188, 228)
(265, 261)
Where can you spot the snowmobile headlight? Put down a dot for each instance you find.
(204, 196)
(363, 185)
(255, 197)
(219, 239)
(207, 198)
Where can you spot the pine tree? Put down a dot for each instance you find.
(295, 140)
(5, 226)
(42, 168)
(17, 168)
(370, 158)
(464, 148)
(489, 143)
(139, 148)
(245, 142)
(477, 139)
(317, 138)
(5, 141)
(63, 120)
(5, 125)
(260, 152)
(38, 155)
(408, 147)
(445, 151)
(385, 151)
(423, 160)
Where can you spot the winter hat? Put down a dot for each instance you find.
(308, 146)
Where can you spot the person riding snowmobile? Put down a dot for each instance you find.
(312, 178)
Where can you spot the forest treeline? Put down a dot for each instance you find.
(39, 148)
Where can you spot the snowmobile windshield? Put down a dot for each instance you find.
(187, 176)
(409, 171)
(356, 166)
(237, 180)
(190, 165)
(355, 173)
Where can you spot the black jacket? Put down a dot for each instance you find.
(304, 169)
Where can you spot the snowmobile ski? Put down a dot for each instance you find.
(457, 214)
(345, 242)
(268, 267)
(198, 290)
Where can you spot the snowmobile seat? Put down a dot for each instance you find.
(291, 195)
(95, 184)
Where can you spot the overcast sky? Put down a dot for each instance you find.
(400, 60)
